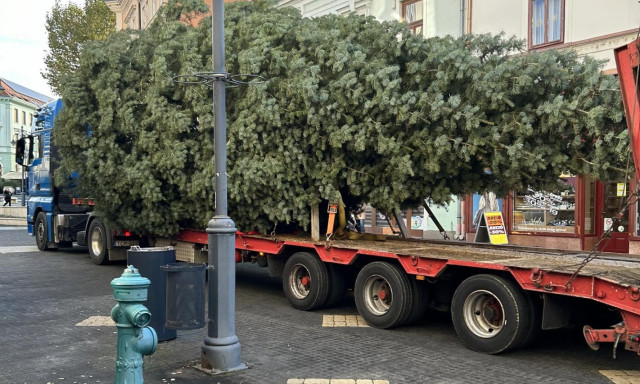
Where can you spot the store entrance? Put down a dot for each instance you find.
(612, 196)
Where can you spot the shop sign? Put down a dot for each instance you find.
(491, 229)
(495, 226)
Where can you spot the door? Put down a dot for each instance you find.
(611, 196)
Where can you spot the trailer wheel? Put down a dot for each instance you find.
(383, 295)
(305, 281)
(40, 230)
(337, 286)
(98, 242)
(535, 307)
(491, 314)
(420, 296)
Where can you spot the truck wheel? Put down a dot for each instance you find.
(305, 281)
(383, 295)
(490, 314)
(98, 242)
(40, 231)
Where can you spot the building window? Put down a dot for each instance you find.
(546, 211)
(15, 115)
(547, 22)
(30, 119)
(131, 20)
(24, 117)
(412, 15)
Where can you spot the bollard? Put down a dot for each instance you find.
(135, 339)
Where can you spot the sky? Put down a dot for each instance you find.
(23, 41)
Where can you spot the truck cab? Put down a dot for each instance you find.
(55, 215)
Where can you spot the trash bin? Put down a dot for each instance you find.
(185, 295)
(148, 262)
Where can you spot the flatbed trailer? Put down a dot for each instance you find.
(499, 296)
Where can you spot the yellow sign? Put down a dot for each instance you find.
(495, 228)
(621, 189)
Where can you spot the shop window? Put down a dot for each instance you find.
(547, 22)
(546, 211)
(412, 15)
(487, 202)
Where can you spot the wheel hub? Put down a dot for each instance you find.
(483, 314)
(377, 295)
(300, 281)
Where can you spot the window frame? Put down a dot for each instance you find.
(546, 42)
(413, 27)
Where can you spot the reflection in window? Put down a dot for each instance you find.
(487, 202)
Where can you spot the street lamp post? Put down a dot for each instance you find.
(22, 179)
(221, 349)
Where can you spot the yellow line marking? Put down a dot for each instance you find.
(343, 321)
(622, 377)
(97, 321)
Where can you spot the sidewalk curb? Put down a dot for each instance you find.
(13, 221)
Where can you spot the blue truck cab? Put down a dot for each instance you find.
(55, 216)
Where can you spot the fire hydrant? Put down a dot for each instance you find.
(135, 339)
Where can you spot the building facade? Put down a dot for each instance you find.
(17, 107)
(136, 14)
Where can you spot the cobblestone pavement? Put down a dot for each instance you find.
(52, 307)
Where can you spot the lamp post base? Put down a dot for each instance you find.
(219, 356)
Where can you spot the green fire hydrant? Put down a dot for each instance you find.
(135, 339)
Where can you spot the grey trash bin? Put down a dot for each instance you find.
(185, 295)
(148, 262)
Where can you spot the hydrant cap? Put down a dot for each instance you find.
(131, 286)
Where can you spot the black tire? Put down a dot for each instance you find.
(535, 326)
(337, 285)
(97, 243)
(305, 281)
(491, 314)
(40, 230)
(420, 297)
(383, 295)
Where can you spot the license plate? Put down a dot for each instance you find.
(125, 243)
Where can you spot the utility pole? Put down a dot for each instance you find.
(221, 350)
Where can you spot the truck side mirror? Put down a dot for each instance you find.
(20, 147)
(24, 151)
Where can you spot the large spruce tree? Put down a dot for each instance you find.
(351, 109)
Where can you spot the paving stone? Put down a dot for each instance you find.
(43, 295)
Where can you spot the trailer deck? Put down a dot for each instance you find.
(623, 269)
